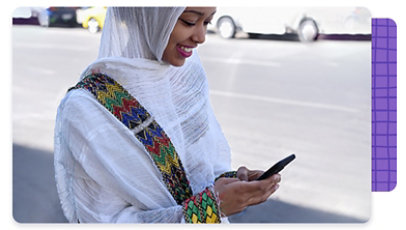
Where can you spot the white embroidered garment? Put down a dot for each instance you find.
(103, 173)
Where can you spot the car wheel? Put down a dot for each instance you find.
(93, 26)
(226, 27)
(308, 30)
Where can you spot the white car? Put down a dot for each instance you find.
(307, 23)
(36, 13)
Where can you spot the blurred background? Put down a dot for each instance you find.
(282, 81)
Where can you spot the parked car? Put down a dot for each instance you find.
(306, 23)
(61, 16)
(30, 15)
(91, 18)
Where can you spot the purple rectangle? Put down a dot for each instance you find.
(384, 105)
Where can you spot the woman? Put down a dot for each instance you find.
(106, 172)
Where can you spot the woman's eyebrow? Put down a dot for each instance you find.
(197, 12)
(194, 11)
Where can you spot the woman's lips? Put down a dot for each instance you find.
(185, 51)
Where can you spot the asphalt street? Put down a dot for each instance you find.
(271, 97)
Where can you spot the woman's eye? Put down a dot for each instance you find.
(187, 22)
(207, 23)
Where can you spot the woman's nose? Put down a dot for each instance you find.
(199, 35)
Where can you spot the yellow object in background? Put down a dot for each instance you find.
(92, 18)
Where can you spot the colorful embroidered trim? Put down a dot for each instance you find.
(201, 208)
(231, 174)
(128, 110)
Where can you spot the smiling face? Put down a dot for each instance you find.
(188, 33)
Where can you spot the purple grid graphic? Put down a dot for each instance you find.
(384, 105)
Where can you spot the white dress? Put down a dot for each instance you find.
(104, 174)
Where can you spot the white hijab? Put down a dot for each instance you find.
(138, 32)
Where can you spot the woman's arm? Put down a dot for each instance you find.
(111, 177)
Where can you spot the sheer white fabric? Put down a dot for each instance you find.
(103, 172)
(138, 32)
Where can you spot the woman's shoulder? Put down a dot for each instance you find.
(78, 99)
(80, 110)
(80, 106)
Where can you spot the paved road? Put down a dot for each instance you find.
(271, 97)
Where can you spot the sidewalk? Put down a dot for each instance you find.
(274, 211)
(35, 198)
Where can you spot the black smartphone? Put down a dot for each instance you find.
(277, 167)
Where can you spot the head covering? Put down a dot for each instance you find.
(138, 32)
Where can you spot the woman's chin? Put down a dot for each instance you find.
(177, 62)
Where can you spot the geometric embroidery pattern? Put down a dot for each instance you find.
(130, 112)
(201, 208)
(230, 174)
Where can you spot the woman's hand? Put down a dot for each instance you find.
(248, 175)
(235, 194)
